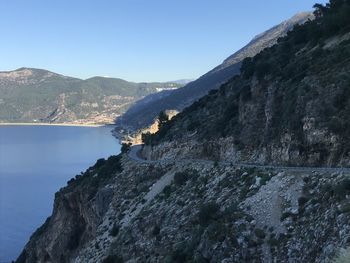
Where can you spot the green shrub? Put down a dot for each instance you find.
(273, 242)
(344, 208)
(342, 188)
(147, 138)
(99, 163)
(244, 192)
(156, 230)
(264, 178)
(216, 163)
(125, 147)
(302, 200)
(105, 172)
(178, 256)
(208, 212)
(115, 230)
(113, 259)
(167, 191)
(163, 118)
(262, 68)
(217, 231)
(286, 215)
(183, 252)
(259, 233)
(180, 178)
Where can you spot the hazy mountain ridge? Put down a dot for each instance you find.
(143, 113)
(265, 39)
(36, 95)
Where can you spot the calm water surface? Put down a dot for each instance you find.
(35, 161)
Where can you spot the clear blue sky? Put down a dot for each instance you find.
(138, 40)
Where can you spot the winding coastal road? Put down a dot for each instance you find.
(134, 154)
(136, 208)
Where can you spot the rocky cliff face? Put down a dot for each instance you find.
(195, 211)
(72, 223)
(78, 209)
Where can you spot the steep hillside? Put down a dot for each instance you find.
(144, 112)
(35, 95)
(192, 211)
(290, 105)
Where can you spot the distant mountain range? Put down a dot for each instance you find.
(37, 95)
(144, 112)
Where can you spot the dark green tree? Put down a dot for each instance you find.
(163, 118)
(319, 10)
(146, 138)
(125, 147)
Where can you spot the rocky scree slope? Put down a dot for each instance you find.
(290, 105)
(143, 113)
(186, 211)
(35, 95)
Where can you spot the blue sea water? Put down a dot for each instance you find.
(35, 162)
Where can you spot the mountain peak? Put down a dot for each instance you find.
(266, 39)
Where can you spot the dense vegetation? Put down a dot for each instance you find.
(300, 84)
(329, 21)
(98, 175)
(163, 123)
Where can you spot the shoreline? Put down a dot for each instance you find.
(53, 124)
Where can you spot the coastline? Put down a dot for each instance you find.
(52, 124)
